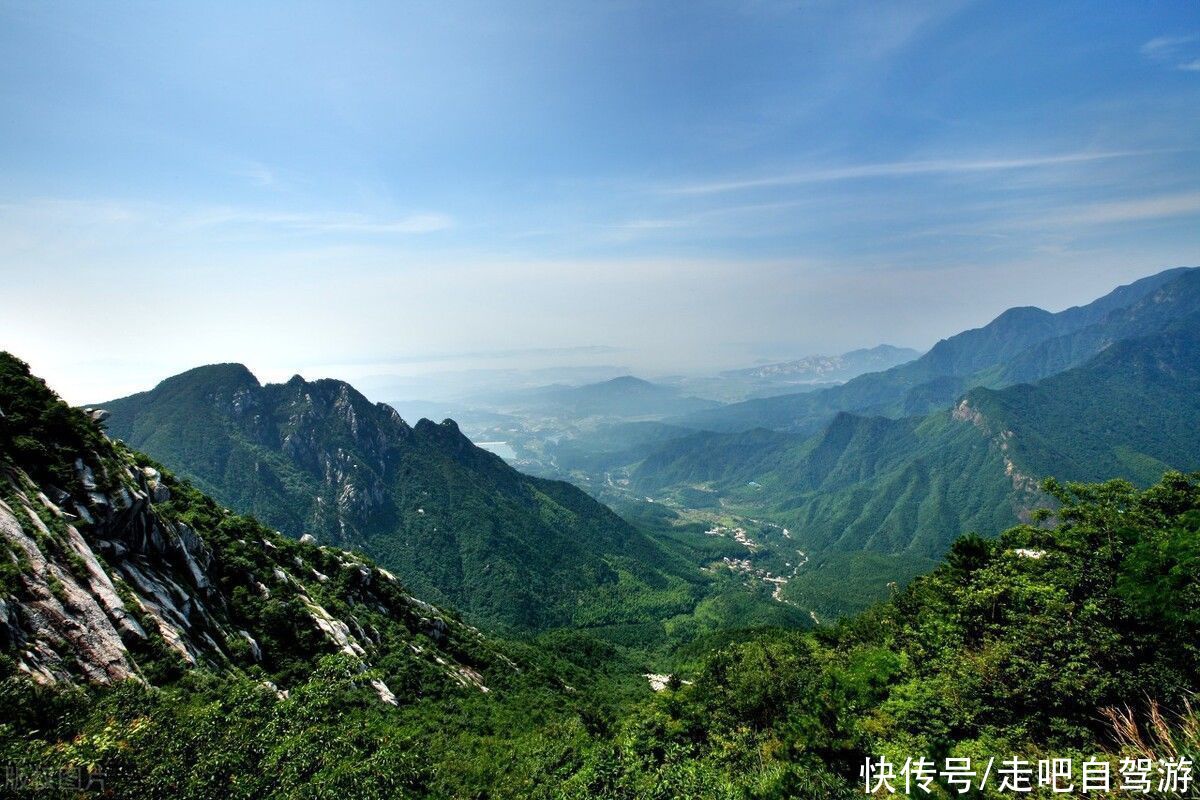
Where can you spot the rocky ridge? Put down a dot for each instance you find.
(111, 569)
(316, 457)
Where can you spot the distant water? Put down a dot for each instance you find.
(502, 449)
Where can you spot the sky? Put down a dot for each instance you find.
(359, 190)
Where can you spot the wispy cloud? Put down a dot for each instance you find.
(1167, 44)
(259, 175)
(57, 223)
(1064, 219)
(1178, 51)
(900, 169)
(350, 223)
(1144, 208)
(706, 215)
(412, 224)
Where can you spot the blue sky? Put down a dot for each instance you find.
(360, 188)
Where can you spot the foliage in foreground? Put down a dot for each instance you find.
(1011, 647)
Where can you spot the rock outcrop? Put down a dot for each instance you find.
(116, 569)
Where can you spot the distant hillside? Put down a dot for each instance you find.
(1131, 412)
(863, 483)
(909, 486)
(830, 369)
(1021, 344)
(612, 446)
(454, 521)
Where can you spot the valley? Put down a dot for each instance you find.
(221, 653)
(618, 565)
(875, 477)
(732, 400)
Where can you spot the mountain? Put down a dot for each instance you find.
(1130, 412)
(863, 483)
(1021, 344)
(829, 369)
(113, 570)
(904, 488)
(155, 645)
(454, 521)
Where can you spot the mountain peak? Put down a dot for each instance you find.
(455, 522)
(226, 374)
(627, 381)
(1022, 314)
(425, 425)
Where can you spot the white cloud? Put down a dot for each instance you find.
(349, 223)
(259, 175)
(322, 223)
(1144, 208)
(900, 169)
(1177, 50)
(414, 223)
(56, 214)
(1165, 45)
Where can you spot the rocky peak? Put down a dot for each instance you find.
(965, 412)
(117, 571)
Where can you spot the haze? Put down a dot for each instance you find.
(401, 191)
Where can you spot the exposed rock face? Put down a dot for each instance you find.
(963, 412)
(63, 619)
(71, 607)
(1027, 492)
(453, 521)
(104, 572)
(68, 621)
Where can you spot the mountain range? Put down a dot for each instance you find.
(453, 521)
(316, 457)
(830, 369)
(1022, 344)
(155, 644)
(874, 498)
(873, 478)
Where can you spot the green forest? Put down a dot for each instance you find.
(1072, 636)
(992, 654)
(617, 400)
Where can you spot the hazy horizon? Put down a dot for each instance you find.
(381, 191)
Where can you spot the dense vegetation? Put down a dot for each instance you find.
(37, 429)
(1071, 634)
(1130, 412)
(455, 522)
(1012, 646)
(869, 487)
